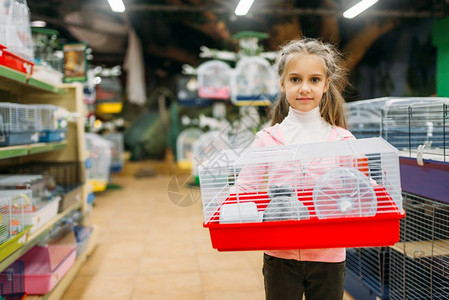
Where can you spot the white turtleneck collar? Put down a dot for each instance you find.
(304, 127)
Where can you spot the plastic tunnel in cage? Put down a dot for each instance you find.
(254, 82)
(214, 80)
(319, 195)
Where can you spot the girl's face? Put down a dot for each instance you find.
(305, 82)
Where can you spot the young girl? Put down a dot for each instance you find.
(310, 109)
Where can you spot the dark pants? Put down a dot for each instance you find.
(288, 279)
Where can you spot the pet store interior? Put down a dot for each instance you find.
(126, 125)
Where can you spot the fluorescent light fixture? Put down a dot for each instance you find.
(243, 7)
(358, 8)
(117, 5)
(38, 23)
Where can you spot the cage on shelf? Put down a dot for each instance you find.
(34, 198)
(52, 122)
(184, 147)
(365, 117)
(12, 285)
(65, 179)
(419, 262)
(254, 82)
(18, 124)
(334, 194)
(98, 165)
(417, 126)
(214, 80)
(117, 151)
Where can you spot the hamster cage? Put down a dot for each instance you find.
(98, 165)
(184, 147)
(214, 79)
(365, 117)
(318, 195)
(18, 124)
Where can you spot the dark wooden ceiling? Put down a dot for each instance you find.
(172, 31)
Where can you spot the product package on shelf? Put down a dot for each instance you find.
(318, 195)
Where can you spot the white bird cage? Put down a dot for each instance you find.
(208, 145)
(52, 122)
(365, 117)
(254, 82)
(184, 147)
(418, 127)
(117, 150)
(99, 162)
(12, 207)
(214, 80)
(18, 124)
(333, 194)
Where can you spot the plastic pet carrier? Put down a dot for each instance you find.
(319, 195)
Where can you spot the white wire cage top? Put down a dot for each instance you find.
(365, 116)
(417, 126)
(353, 178)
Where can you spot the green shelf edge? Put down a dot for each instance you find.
(9, 153)
(30, 149)
(31, 82)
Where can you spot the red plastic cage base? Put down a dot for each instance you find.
(379, 230)
(15, 62)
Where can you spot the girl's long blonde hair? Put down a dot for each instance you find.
(332, 105)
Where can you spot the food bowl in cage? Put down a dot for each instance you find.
(319, 195)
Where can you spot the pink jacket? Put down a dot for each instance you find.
(272, 136)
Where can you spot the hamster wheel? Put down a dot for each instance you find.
(344, 192)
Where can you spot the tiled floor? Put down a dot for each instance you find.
(152, 248)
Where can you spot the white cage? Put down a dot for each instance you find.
(418, 127)
(117, 150)
(184, 147)
(365, 117)
(214, 80)
(99, 162)
(12, 213)
(334, 194)
(254, 82)
(18, 124)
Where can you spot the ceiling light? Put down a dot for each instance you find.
(117, 5)
(243, 7)
(38, 23)
(358, 8)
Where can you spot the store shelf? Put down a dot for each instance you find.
(11, 79)
(37, 236)
(420, 249)
(65, 282)
(23, 150)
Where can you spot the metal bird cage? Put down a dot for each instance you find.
(418, 127)
(214, 80)
(420, 261)
(98, 166)
(334, 194)
(117, 151)
(184, 147)
(254, 82)
(365, 117)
